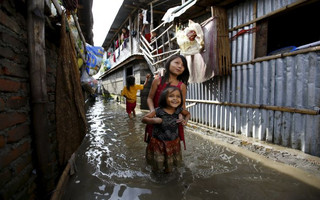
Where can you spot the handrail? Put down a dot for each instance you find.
(162, 33)
(157, 27)
(146, 53)
(145, 46)
(166, 57)
(146, 41)
(161, 54)
(151, 54)
(258, 106)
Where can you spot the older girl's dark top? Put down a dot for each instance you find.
(168, 129)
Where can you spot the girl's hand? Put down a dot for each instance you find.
(182, 121)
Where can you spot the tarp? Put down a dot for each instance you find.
(94, 59)
(177, 11)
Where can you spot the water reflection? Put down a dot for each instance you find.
(111, 165)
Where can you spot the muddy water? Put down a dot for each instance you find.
(111, 165)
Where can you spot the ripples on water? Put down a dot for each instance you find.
(111, 165)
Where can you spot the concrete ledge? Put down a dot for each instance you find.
(310, 165)
(276, 153)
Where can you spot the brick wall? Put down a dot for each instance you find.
(18, 174)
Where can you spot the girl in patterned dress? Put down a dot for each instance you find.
(165, 151)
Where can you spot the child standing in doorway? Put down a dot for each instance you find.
(130, 93)
(165, 152)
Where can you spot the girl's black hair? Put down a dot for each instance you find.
(165, 93)
(130, 81)
(184, 77)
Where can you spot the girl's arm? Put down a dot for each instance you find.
(186, 115)
(183, 88)
(152, 92)
(147, 79)
(150, 119)
(123, 93)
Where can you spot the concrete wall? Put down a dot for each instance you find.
(115, 81)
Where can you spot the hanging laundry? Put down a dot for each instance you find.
(146, 16)
(125, 43)
(190, 40)
(118, 53)
(117, 43)
(203, 66)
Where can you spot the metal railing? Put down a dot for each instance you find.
(160, 48)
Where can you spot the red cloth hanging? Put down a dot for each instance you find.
(251, 30)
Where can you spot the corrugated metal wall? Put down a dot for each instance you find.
(287, 82)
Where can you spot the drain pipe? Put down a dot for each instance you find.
(38, 88)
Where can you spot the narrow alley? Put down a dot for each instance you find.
(110, 164)
(249, 77)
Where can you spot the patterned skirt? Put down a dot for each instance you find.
(163, 155)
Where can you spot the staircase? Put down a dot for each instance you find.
(160, 48)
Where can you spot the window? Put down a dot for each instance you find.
(287, 30)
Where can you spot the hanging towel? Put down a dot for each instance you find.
(125, 43)
(117, 43)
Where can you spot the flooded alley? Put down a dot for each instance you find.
(111, 165)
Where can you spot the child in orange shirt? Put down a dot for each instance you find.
(130, 93)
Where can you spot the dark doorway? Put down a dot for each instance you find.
(129, 71)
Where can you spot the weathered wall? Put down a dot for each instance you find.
(115, 81)
(16, 168)
(18, 174)
(291, 81)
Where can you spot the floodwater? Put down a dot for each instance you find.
(111, 165)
